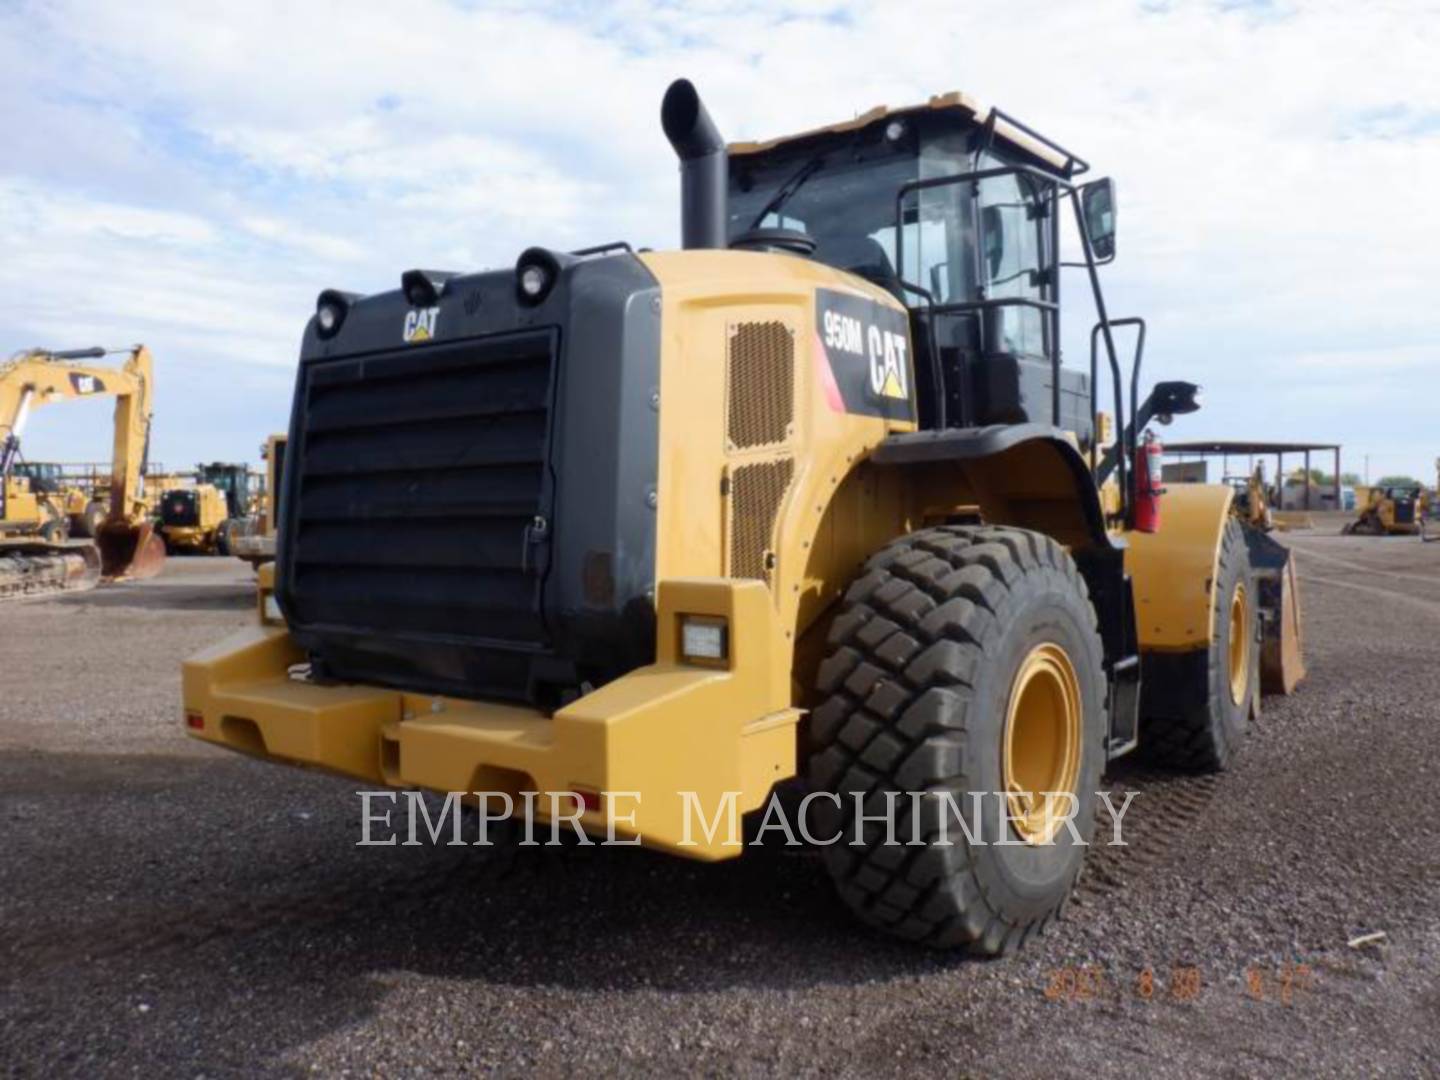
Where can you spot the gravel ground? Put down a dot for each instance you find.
(168, 908)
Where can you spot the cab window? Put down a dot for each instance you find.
(1012, 260)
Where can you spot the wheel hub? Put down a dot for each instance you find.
(1239, 660)
(1040, 761)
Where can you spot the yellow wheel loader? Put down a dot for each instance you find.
(35, 554)
(192, 520)
(628, 538)
(62, 495)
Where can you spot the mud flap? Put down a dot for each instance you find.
(1282, 663)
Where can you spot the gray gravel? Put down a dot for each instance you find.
(172, 909)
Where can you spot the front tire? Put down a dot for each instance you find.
(963, 660)
(1208, 718)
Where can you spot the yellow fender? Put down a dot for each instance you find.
(1173, 571)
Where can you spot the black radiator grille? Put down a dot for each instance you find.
(180, 508)
(419, 481)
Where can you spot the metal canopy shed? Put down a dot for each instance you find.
(1225, 448)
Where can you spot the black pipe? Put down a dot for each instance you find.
(703, 166)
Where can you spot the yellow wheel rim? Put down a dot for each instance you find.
(1239, 644)
(1041, 758)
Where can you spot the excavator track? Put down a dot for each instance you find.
(30, 568)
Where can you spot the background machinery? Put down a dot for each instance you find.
(193, 519)
(232, 481)
(646, 533)
(35, 554)
(1394, 510)
(255, 543)
(65, 493)
(204, 516)
(1252, 499)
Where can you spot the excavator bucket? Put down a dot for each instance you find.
(1282, 665)
(38, 568)
(129, 552)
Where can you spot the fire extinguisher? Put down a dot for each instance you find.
(1146, 470)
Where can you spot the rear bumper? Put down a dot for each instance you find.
(684, 743)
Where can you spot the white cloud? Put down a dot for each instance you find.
(198, 173)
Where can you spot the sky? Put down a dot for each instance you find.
(191, 175)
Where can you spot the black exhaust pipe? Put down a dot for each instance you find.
(702, 155)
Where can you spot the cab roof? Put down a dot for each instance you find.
(1007, 129)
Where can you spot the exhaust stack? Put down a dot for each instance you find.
(701, 150)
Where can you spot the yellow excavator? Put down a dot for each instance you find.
(36, 554)
(624, 538)
(1252, 501)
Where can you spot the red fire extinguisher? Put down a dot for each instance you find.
(1146, 468)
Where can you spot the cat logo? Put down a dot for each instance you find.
(888, 365)
(86, 384)
(864, 347)
(420, 324)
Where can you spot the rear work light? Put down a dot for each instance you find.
(704, 639)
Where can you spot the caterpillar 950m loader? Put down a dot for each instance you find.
(35, 556)
(810, 498)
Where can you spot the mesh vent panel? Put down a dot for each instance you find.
(761, 382)
(756, 491)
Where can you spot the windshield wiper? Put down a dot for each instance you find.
(789, 187)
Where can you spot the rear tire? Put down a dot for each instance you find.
(87, 522)
(1203, 731)
(925, 677)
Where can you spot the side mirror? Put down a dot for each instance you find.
(1171, 399)
(1097, 206)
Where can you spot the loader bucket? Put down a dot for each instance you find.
(1282, 665)
(129, 552)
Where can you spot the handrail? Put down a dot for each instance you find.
(937, 372)
(1071, 159)
(1056, 185)
(1125, 436)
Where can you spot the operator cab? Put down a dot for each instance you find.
(232, 481)
(954, 210)
(46, 477)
